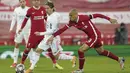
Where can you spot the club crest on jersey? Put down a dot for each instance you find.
(85, 26)
(38, 17)
(83, 23)
(42, 12)
(33, 12)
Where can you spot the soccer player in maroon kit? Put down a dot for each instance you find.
(84, 23)
(38, 16)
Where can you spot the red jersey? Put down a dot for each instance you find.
(37, 16)
(84, 24)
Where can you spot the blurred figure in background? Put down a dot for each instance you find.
(18, 17)
(117, 36)
(121, 34)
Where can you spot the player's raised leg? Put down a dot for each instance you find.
(53, 59)
(109, 54)
(62, 56)
(35, 60)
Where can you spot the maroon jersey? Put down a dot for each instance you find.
(85, 24)
(37, 17)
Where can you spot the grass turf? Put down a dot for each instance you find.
(94, 64)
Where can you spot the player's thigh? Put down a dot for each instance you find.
(99, 49)
(84, 47)
(55, 46)
(18, 38)
(99, 45)
(42, 45)
(33, 41)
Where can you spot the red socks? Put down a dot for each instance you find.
(25, 54)
(81, 59)
(109, 54)
(51, 56)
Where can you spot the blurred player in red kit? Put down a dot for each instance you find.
(84, 23)
(38, 16)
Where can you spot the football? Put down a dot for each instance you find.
(20, 68)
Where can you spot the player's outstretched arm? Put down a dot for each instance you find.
(43, 33)
(61, 30)
(99, 16)
(49, 41)
(113, 21)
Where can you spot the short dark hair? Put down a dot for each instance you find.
(50, 4)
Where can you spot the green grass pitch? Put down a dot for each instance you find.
(93, 64)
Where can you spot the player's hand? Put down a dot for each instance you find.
(37, 33)
(20, 30)
(49, 41)
(113, 21)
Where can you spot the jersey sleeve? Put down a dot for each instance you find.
(28, 13)
(62, 29)
(99, 16)
(26, 18)
(14, 19)
(45, 15)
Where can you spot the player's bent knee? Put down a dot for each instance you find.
(16, 45)
(99, 50)
(84, 47)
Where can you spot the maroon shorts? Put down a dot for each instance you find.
(33, 41)
(94, 42)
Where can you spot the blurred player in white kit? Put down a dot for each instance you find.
(52, 25)
(18, 17)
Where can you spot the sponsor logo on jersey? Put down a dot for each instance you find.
(38, 17)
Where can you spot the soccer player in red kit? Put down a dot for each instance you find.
(84, 23)
(38, 16)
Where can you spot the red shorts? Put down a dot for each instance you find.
(94, 43)
(33, 41)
